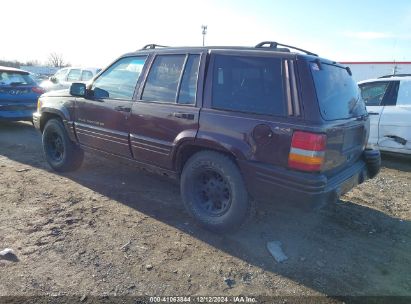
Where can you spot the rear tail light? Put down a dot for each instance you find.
(307, 151)
(38, 90)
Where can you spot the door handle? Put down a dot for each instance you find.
(188, 116)
(122, 109)
(373, 113)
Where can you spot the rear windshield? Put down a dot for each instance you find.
(338, 95)
(12, 78)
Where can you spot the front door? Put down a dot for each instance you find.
(101, 118)
(166, 110)
(395, 122)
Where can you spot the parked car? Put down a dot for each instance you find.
(38, 78)
(233, 124)
(18, 94)
(63, 78)
(388, 101)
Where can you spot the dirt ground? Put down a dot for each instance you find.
(111, 229)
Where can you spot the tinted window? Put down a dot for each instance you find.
(337, 92)
(119, 81)
(248, 84)
(373, 93)
(86, 75)
(163, 79)
(13, 78)
(74, 75)
(404, 93)
(188, 86)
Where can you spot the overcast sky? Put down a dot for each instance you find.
(94, 33)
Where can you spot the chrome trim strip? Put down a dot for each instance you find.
(101, 134)
(134, 142)
(110, 131)
(158, 152)
(287, 88)
(296, 103)
(85, 134)
(150, 140)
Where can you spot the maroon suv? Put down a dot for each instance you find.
(232, 123)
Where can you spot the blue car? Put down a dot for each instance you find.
(18, 94)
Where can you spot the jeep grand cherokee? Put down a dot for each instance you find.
(232, 123)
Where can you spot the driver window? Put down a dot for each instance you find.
(73, 75)
(61, 74)
(119, 81)
(404, 93)
(373, 93)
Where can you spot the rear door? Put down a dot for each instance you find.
(101, 120)
(395, 122)
(245, 108)
(167, 110)
(374, 94)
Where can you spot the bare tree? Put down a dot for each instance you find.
(56, 60)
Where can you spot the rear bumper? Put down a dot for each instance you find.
(16, 115)
(14, 111)
(267, 182)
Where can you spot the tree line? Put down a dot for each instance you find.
(54, 60)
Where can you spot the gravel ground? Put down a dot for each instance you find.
(110, 229)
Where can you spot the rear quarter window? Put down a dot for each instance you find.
(248, 84)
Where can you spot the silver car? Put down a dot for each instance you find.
(66, 76)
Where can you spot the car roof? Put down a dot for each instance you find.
(81, 68)
(10, 69)
(393, 78)
(208, 48)
(153, 48)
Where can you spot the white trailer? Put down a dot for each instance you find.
(368, 70)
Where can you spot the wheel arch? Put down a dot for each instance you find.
(188, 149)
(50, 113)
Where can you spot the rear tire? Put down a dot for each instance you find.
(60, 152)
(214, 192)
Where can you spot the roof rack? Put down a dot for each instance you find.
(274, 45)
(152, 46)
(394, 75)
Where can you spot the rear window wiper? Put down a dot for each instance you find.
(17, 83)
(354, 105)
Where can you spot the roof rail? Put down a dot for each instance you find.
(152, 46)
(394, 75)
(274, 45)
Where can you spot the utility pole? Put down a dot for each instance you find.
(395, 69)
(204, 28)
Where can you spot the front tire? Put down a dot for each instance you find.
(214, 192)
(60, 152)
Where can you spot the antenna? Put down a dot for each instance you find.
(204, 32)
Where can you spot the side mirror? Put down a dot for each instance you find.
(53, 79)
(78, 89)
